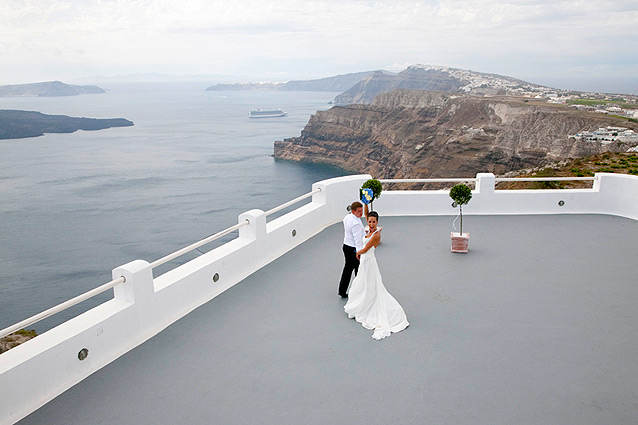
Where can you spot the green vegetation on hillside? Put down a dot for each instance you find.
(18, 337)
(610, 162)
(594, 102)
(624, 118)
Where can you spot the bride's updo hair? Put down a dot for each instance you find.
(374, 214)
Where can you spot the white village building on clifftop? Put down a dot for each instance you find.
(608, 135)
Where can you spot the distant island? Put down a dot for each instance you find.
(23, 124)
(47, 89)
(338, 83)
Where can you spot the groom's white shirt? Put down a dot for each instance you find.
(354, 231)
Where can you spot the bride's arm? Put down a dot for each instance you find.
(366, 211)
(374, 241)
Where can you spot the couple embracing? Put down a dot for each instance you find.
(369, 303)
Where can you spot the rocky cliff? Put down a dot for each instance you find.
(421, 134)
(436, 78)
(15, 339)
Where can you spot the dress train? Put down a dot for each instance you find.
(369, 302)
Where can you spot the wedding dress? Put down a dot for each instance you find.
(369, 303)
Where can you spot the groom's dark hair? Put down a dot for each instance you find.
(355, 205)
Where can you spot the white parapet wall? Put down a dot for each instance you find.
(41, 369)
(613, 194)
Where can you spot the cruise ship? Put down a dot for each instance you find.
(535, 325)
(270, 113)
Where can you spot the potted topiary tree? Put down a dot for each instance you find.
(375, 186)
(461, 195)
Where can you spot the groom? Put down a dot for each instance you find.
(352, 242)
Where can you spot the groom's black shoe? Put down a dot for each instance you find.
(343, 295)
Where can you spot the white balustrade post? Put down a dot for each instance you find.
(138, 286)
(256, 227)
(486, 183)
(321, 197)
(597, 181)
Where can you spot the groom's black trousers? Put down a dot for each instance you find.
(352, 263)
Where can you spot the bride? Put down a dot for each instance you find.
(369, 303)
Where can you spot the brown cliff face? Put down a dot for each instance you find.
(420, 134)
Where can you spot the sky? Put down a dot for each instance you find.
(573, 44)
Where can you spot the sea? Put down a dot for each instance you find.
(75, 206)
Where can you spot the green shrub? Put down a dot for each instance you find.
(461, 195)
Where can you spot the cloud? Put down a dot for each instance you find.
(521, 38)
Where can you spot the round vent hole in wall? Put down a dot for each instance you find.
(215, 277)
(83, 354)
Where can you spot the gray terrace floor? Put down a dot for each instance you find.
(536, 325)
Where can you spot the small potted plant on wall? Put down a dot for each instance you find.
(461, 195)
(373, 185)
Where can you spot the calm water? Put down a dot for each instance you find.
(75, 206)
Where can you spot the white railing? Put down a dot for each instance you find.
(472, 179)
(103, 288)
(496, 179)
(61, 307)
(543, 179)
(196, 245)
(292, 202)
